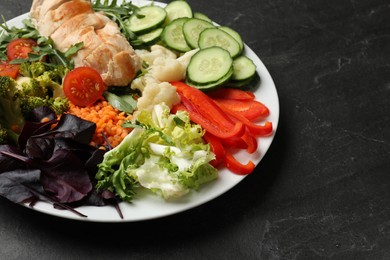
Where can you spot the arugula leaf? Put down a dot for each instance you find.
(73, 49)
(125, 103)
(8, 34)
(119, 14)
(45, 46)
(46, 49)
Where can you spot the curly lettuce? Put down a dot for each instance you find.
(165, 153)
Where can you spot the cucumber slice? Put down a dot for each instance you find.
(173, 37)
(249, 84)
(216, 37)
(222, 81)
(202, 17)
(234, 34)
(146, 19)
(243, 68)
(150, 38)
(178, 9)
(192, 29)
(209, 67)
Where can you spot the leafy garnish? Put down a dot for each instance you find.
(45, 47)
(18, 181)
(167, 158)
(125, 103)
(119, 14)
(21, 186)
(54, 164)
(8, 34)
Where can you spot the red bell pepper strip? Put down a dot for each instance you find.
(235, 166)
(257, 130)
(223, 156)
(216, 148)
(250, 140)
(246, 141)
(219, 118)
(235, 142)
(177, 107)
(231, 93)
(200, 102)
(251, 109)
(205, 112)
(210, 127)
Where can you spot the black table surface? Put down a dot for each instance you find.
(323, 189)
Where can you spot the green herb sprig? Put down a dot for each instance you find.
(119, 14)
(45, 47)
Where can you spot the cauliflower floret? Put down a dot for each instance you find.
(168, 69)
(157, 93)
(164, 67)
(186, 57)
(154, 92)
(141, 82)
(156, 51)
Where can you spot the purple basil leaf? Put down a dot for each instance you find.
(112, 200)
(16, 185)
(42, 112)
(62, 157)
(73, 127)
(64, 176)
(83, 151)
(34, 126)
(7, 163)
(67, 207)
(93, 199)
(39, 148)
(95, 158)
(70, 127)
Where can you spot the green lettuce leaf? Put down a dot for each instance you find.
(165, 153)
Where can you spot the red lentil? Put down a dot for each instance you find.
(108, 120)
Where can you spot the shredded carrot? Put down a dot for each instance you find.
(108, 122)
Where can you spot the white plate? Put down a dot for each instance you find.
(148, 206)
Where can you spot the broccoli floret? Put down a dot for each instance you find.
(7, 136)
(11, 116)
(29, 103)
(39, 85)
(60, 105)
(32, 70)
(31, 87)
(49, 78)
(3, 136)
(61, 72)
(52, 80)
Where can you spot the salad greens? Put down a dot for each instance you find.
(164, 153)
(53, 164)
(39, 85)
(44, 50)
(53, 161)
(124, 102)
(120, 14)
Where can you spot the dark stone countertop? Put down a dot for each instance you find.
(323, 189)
